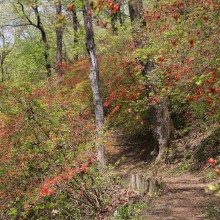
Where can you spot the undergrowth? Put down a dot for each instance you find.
(210, 147)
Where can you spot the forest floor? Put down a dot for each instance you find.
(183, 195)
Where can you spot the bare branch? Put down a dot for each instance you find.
(28, 19)
(15, 25)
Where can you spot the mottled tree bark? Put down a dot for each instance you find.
(59, 40)
(162, 129)
(94, 80)
(136, 10)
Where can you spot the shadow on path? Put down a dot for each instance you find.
(131, 151)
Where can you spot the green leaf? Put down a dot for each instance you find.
(198, 82)
(213, 187)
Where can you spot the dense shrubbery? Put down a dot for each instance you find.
(184, 42)
(42, 139)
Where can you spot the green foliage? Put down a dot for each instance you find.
(184, 167)
(130, 211)
(210, 175)
(213, 211)
(26, 62)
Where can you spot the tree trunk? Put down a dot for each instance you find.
(162, 125)
(46, 49)
(136, 10)
(59, 35)
(76, 29)
(94, 79)
(46, 45)
(114, 18)
(2, 66)
(162, 129)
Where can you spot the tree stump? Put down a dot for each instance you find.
(141, 184)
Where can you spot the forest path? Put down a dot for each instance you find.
(183, 196)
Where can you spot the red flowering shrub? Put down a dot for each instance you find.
(45, 148)
(189, 71)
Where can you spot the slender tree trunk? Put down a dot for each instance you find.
(114, 19)
(46, 49)
(2, 57)
(46, 45)
(59, 35)
(76, 29)
(2, 66)
(94, 80)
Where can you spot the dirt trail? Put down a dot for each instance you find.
(182, 199)
(183, 196)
